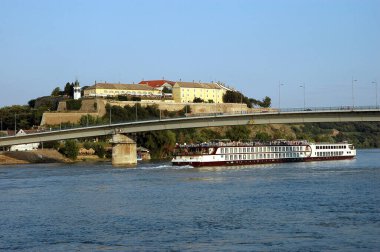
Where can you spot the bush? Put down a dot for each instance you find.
(73, 104)
(198, 100)
(99, 150)
(70, 149)
(52, 145)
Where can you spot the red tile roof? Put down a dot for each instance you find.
(157, 83)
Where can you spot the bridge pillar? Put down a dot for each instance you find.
(123, 150)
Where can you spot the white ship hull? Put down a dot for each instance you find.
(247, 154)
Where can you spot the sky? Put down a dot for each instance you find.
(311, 47)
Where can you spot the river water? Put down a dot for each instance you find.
(316, 206)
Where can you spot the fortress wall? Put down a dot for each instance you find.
(54, 118)
(62, 116)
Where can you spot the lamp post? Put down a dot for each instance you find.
(241, 103)
(136, 110)
(375, 82)
(110, 115)
(15, 124)
(279, 95)
(304, 95)
(353, 97)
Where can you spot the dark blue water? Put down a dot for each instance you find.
(319, 206)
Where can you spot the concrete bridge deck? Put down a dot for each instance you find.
(210, 120)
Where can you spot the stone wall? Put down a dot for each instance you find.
(55, 118)
(63, 116)
(195, 107)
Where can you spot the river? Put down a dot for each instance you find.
(316, 206)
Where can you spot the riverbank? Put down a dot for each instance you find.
(32, 157)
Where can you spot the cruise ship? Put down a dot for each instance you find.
(225, 152)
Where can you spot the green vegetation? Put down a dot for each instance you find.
(25, 116)
(198, 100)
(237, 97)
(70, 149)
(265, 103)
(160, 143)
(137, 112)
(166, 90)
(98, 147)
(88, 120)
(73, 104)
(68, 90)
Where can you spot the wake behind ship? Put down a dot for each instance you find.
(225, 152)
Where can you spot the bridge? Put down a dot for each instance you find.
(124, 147)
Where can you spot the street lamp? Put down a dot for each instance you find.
(241, 103)
(15, 124)
(353, 98)
(304, 95)
(279, 95)
(375, 82)
(110, 115)
(136, 110)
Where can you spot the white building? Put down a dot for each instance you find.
(24, 147)
(77, 89)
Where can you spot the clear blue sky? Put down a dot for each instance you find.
(250, 45)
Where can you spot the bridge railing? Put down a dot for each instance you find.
(324, 109)
(213, 114)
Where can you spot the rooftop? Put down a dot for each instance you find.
(198, 85)
(157, 83)
(120, 86)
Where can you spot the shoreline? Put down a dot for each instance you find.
(32, 157)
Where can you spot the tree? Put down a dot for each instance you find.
(262, 136)
(238, 132)
(99, 150)
(236, 97)
(160, 143)
(71, 149)
(89, 120)
(265, 103)
(67, 89)
(166, 90)
(56, 91)
(32, 103)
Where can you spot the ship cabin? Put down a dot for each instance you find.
(333, 150)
